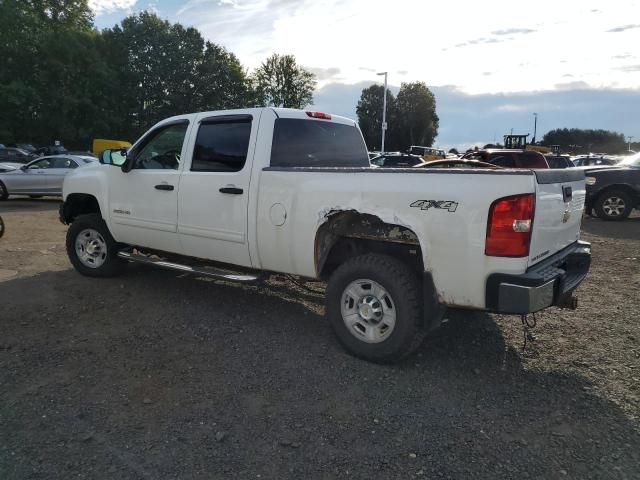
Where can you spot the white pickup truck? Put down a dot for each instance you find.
(234, 194)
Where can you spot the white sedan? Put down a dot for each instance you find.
(39, 177)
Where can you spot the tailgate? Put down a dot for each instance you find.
(560, 198)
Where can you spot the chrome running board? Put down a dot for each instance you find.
(209, 272)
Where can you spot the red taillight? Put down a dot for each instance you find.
(323, 116)
(509, 226)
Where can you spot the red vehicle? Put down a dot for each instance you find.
(509, 158)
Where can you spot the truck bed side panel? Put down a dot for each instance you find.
(452, 238)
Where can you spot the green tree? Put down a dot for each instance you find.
(586, 140)
(416, 121)
(167, 69)
(30, 32)
(369, 111)
(281, 82)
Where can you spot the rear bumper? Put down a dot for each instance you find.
(548, 283)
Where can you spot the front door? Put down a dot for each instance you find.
(214, 189)
(143, 203)
(32, 179)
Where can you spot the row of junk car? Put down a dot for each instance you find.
(612, 182)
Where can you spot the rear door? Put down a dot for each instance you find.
(214, 187)
(560, 196)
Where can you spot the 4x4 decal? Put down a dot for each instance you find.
(441, 204)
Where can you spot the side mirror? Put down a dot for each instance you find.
(115, 157)
(24, 168)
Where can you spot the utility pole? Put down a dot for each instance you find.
(535, 127)
(384, 110)
(629, 138)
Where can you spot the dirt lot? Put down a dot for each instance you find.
(154, 375)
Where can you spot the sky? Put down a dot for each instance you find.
(491, 63)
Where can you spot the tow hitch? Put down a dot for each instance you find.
(568, 301)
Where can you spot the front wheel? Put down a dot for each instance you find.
(374, 308)
(613, 205)
(4, 193)
(91, 248)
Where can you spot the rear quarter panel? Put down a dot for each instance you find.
(452, 242)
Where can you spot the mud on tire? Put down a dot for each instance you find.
(373, 304)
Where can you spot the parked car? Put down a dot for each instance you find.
(396, 160)
(51, 150)
(559, 161)
(456, 163)
(593, 161)
(42, 176)
(26, 147)
(615, 191)
(509, 158)
(15, 155)
(427, 153)
(282, 190)
(101, 144)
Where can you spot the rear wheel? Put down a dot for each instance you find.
(373, 306)
(4, 193)
(91, 248)
(613, 205)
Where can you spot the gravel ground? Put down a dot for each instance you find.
(160, 376)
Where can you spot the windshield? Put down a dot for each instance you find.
(632, 161)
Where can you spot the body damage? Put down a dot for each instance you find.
(451, 244)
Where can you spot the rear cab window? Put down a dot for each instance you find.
(317, 143)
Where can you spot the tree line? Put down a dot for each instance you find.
(586, 140)
(62, 79)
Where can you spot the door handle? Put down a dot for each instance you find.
(231, 190)
(164, 186)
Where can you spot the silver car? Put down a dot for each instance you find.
(42, 176)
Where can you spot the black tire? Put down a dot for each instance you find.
(604, 202)
(4, 193)
(1, 227)
(110, 264)
(403, 287)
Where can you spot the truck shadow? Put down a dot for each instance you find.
(151, 375)
(22, 204)
(628, 229)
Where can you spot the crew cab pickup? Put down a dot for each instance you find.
(239, 194)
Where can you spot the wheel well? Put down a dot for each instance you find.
(348, 233)
(621, 186)
(78, 204)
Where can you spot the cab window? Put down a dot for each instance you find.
(222, 145)
(162, 148)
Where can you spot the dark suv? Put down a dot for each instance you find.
(509, 158)
(614, 192)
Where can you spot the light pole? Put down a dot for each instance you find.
(629, 138)
(384, 110)
(535, 127)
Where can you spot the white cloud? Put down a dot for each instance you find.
(108, 6)
(483, 47)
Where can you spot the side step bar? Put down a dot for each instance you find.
(158, 262)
